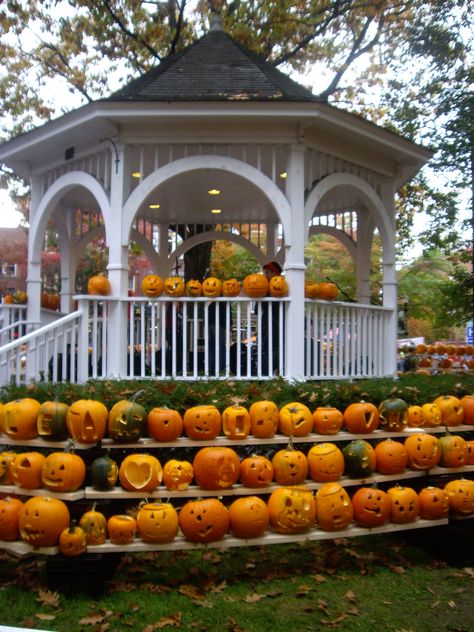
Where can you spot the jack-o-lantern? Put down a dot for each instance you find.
(87, 420)
(216, 467)
(454, 451)
(264, 417)
(359, 459)
(326, 291)
(415, 416)
(177, 475)
(19, 418)
(361, 417)
(42, 519)
(310, 289)
(460, 496)
(423, 450)
(51, 421)
(157, 522)
(202, 422)
(103, 473)
(231, 287)
(152, 285)
(467, 403)
(236, 422)
(72, 540)
(371, 506)
(431, 415)
(194, 288)
(290, 466)
(121, 528)
(174, 286)
(434, 503)
(256, 471)
(452, 412)
(98, 285)
(164, 424)
(212, 287)
(140, 473)
(126, 421)
(255, 285)
(278, 286)
(295, 420)
(94, 524)
(327, 420)
(390, 457)
(333, 507)
(248, 517)
(6, 459)
(291, 510)
(26, 468)
(9, 512)
(405, 504)
(325, 462)
(393, 414)
(469, 445)
(63, 472)
(20, 297)
(204, 520)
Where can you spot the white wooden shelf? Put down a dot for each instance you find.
(14, 490)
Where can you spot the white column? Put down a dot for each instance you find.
(33, 275)
(389, 282)
(295, 266)
(365, 233)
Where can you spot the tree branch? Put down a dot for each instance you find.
(178, 26)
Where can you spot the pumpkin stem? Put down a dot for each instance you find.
(290, 445)
(134, 397)
(72, 525)
(69, 447)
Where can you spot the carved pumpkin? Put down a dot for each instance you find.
(359, 459)
(177, 475)
(264, 416)
(174, 286)
(469, 445)
(87, 420)
(454, 451)
(361, 417)
(325, 462)
(193, 288)
(121, 528)
(26, 468)
(423, 450)
(393, 414)
(278, 286)
(51, 421)
(164, 424)
(152, 285)
(104, 473)
(20, 297)
(467, 403)
(72, 540)
(290, 466)
(19, 418)
(326, 291)
(248, 517)
(6, 458)
(333, 507)
(9, 515)
(42, 519)
(157, 522)
(452, 412)
(327, 420)
(236, 422)
(212, 287)
(50, 301)
(460, 496)
(140, 473)
(311, 289)
(415, 417)
(204, 520)
(256, 471)
(216, 467)
(255, 285)
(405, 504)
(230, 287)
(98, 285)
(94, 524)
(431, 415)
(202, 422)
(390, 457)
(291, 510)
(434, 503)
(126, 421)
(371, 506)
(7, 299)
(63, 472)
(295, 420)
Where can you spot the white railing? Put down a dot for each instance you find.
(344, 340)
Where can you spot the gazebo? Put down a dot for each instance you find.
(147, 160)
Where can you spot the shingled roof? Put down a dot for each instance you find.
(214, 68)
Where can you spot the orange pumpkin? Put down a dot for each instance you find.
(361, 417)
(26, 468)
(8, 299)
(72, 540)
(98, 285)
(177, 475)
(291, 510)
(63, 472)
(202, 422)
(6, 459)
(460, 496)
(431, 415)
(311, 289)
(415, 417)
(454, 451)
(278, 286)
(326, 291)
(295, 420)
(42, 519)
(264, 416)
(371, 506)
(204, 520)
(19, 418)
(140, 473)
(290, 466)
(94, 524)
(326, 462)
(405, 504)
(327, 420)
(236, 422)
(174, 286)
(216, 467)
(390, 457)
(9, 515)
(248, 517)
(164, 424)
(193, 288)
(467, 402)
(255, 285)
(121, 528)
(256, 471)
(157, 522)
(231, 287)
(334, 507)
(152, 285)
(452, 412)
(212, 287)
(434, 503)
(86, 420)
(470, 452)
(423, 450)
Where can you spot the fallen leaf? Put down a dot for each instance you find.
(435, 604)
(92, 619)
(334, 622)
(319, 578)
(188, 590)
(322, 605)
(253, 598)
(350, 596)
(48, 597)
(45, 617)
(452, 604)
(173, 619)
(469, 571)
(354, 611)
(397, 569)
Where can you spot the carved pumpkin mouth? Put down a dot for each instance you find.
(31, 535)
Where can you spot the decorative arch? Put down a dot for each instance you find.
(221, 163)
(340, 235)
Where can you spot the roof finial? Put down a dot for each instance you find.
(216, 24)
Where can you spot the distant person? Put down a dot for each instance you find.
(271, 314)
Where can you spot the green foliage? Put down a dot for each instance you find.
(229, 260)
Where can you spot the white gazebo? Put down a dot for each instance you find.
(138, 165)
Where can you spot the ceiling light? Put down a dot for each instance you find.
(216, 211)
(153, 206)
(136, 174)
(214, 191)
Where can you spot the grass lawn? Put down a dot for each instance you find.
(366, 583)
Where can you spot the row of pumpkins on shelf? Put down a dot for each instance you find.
(217, 468)
(46, 521)
(89, 421)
